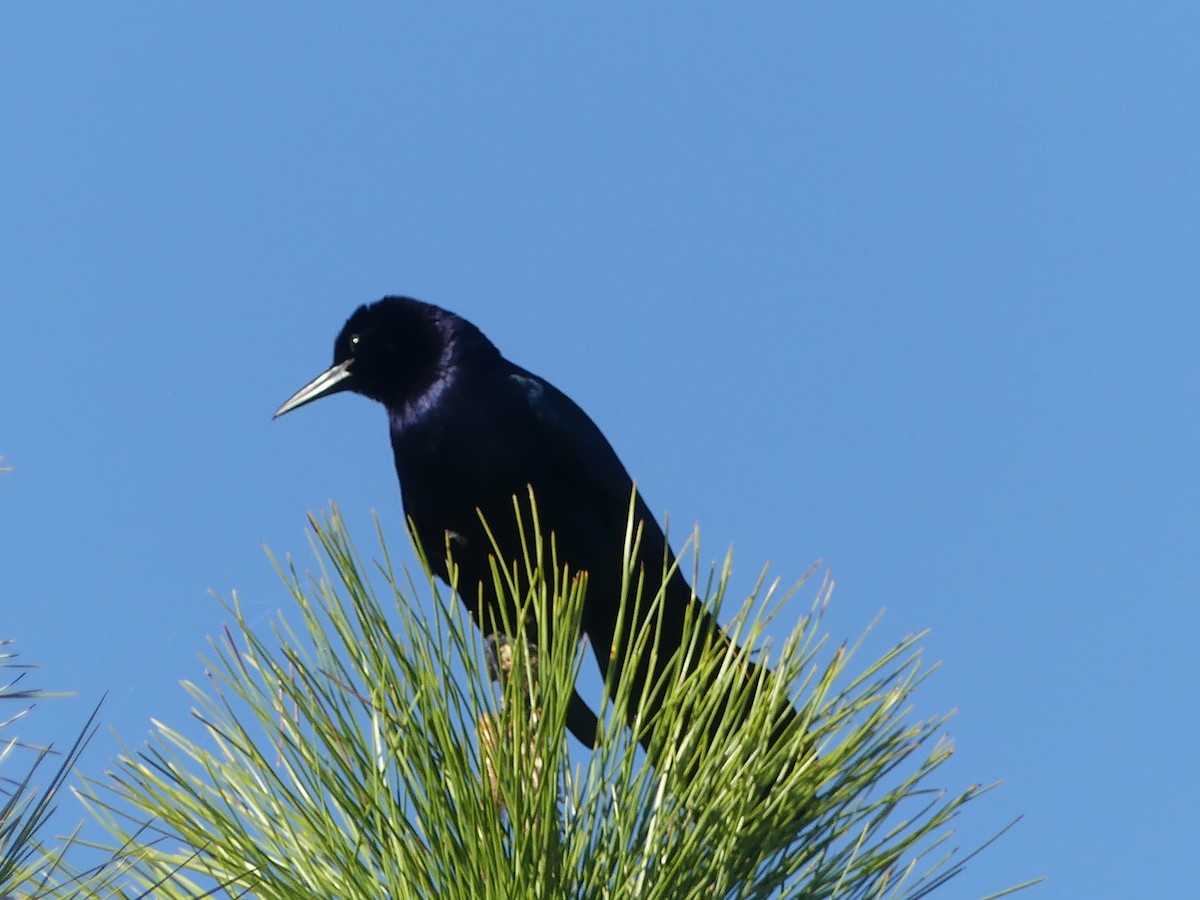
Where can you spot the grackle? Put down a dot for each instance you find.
(471, 430)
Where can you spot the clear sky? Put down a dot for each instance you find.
(908, 288)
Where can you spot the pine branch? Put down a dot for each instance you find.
(366, 754)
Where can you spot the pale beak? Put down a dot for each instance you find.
(331, 381)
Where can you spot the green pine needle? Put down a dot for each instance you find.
(358, 750)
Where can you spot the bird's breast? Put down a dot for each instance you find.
(449, 481)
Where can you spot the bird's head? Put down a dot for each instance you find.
(390, 351)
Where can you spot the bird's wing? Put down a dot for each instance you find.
(576, 440)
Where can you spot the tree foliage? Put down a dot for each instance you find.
(362, 752)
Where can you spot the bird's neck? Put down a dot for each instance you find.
(409, 414)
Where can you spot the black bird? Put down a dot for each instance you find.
(471, 430)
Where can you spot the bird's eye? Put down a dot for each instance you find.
(354, 342)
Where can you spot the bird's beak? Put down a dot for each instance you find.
(328, 382)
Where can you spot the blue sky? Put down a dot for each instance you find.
(908, 288)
